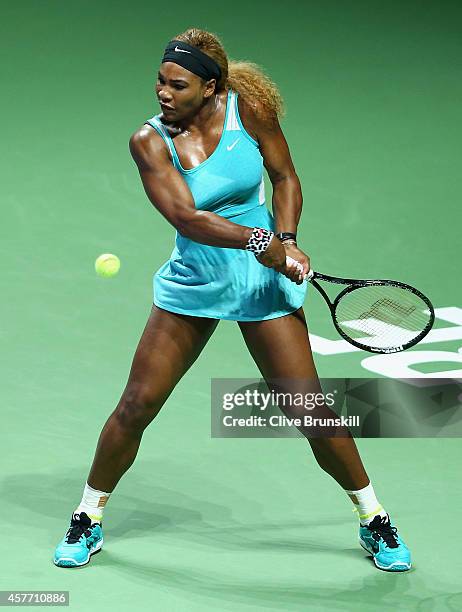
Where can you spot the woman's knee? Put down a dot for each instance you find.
(138, 406)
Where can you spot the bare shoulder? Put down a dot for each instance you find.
(252, 120)
(147, 146)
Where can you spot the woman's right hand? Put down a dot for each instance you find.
(275, 257)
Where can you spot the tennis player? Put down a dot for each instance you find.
(201, 163)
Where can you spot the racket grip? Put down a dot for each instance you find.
(310, 275)
(290, 261)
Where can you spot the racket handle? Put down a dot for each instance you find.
(290, 261)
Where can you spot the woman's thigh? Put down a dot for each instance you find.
(169, 345)
(281, 347)
(281, 350)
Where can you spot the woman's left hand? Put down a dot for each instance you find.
(293, 272)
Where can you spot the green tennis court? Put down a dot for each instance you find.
(373, 122)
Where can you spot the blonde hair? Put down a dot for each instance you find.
(244, 77)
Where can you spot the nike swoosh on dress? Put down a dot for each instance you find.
(231, 146)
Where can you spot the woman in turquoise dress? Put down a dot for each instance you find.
(201, 164)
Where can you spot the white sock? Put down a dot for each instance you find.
(366, 504)
(93, 503)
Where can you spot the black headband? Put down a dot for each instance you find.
(193, 59)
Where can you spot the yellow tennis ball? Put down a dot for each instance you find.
(107, 265)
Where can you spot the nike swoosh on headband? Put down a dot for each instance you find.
(181, 50)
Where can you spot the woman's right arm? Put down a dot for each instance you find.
(170, 194)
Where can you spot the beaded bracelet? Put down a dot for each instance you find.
(259, 240)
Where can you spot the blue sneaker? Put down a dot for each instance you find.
(82, 540)
(388, 550)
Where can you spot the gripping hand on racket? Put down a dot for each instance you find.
(296, 254)
(289, 260)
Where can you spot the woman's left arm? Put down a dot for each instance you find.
(287, 192)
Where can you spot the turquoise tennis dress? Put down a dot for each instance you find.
(222, 283)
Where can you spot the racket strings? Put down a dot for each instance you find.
(389, 310)
(385, 315)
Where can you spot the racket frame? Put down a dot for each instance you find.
(354, 284)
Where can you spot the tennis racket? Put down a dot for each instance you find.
(380, 316)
